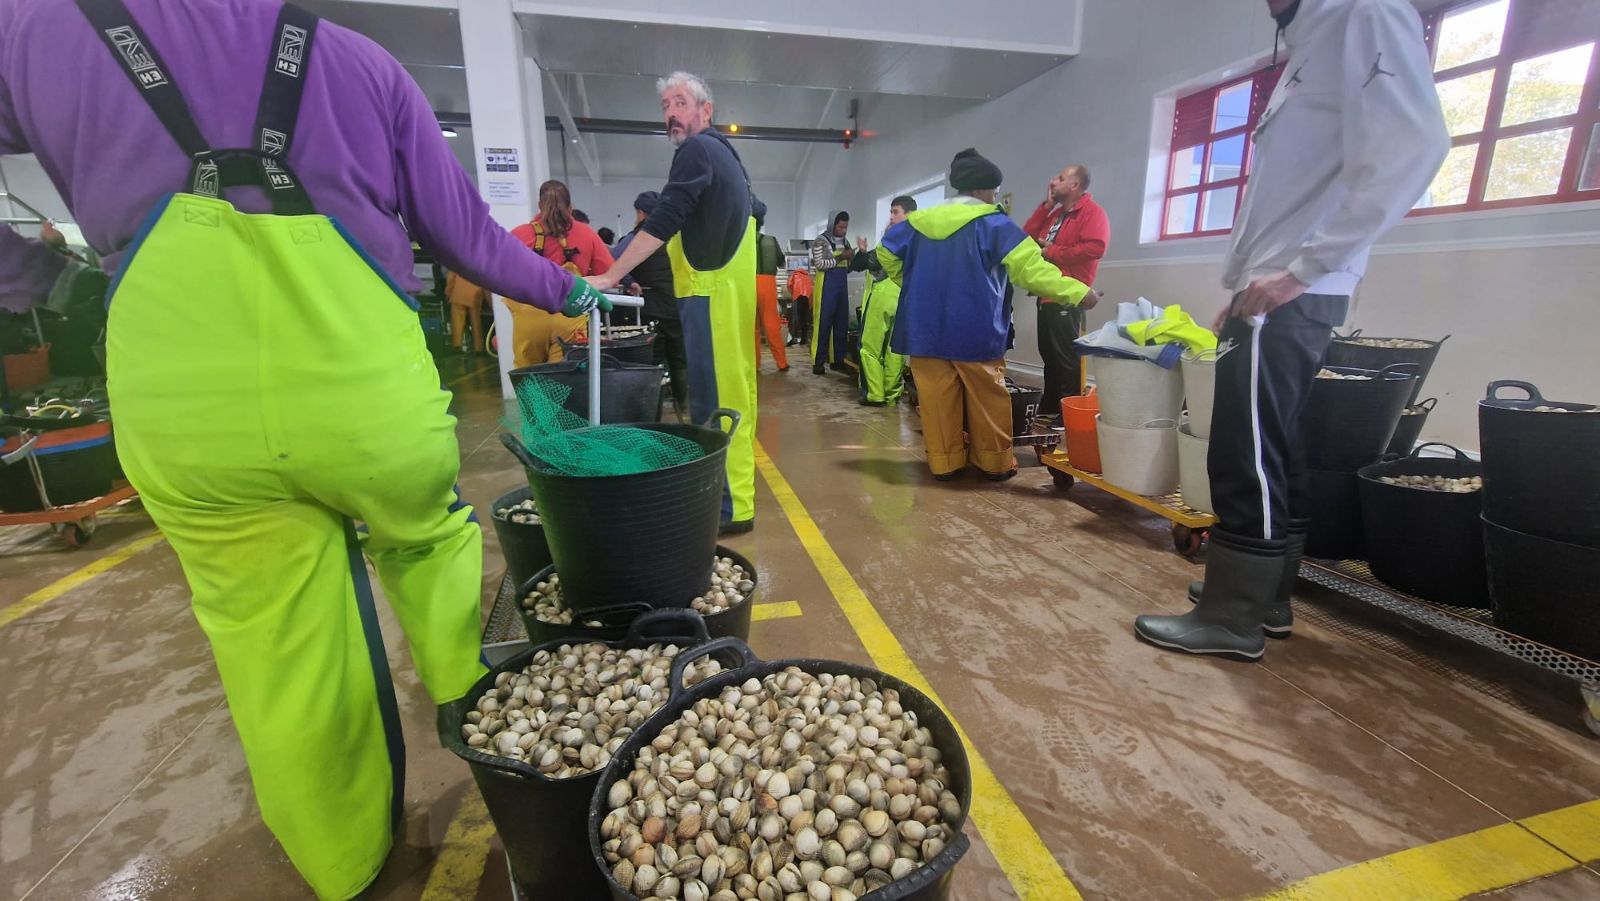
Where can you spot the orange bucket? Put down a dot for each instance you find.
(1082, 440)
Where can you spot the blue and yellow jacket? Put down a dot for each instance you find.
(952, 262)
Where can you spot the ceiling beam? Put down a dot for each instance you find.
(569, 128)
(806, 157)
(588, 126)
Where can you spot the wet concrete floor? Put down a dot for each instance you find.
(1146, 774)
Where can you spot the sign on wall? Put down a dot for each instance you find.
(503, 178)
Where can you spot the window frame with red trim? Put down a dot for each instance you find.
(1195, 126)
(1528, 22)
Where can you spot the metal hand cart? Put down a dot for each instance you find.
(72, 523)
(1189, 526)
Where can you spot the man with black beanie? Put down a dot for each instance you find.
(952, 262)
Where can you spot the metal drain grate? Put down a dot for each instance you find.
(1353, 579)
(505, 623)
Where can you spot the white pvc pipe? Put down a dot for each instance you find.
(619, 300)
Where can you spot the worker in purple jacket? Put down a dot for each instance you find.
(267, 372)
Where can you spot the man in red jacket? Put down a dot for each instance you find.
(1073, 231)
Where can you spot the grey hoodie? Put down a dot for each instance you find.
(1352, 137)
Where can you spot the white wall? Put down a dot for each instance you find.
(611, 204)
(25, 178)
(1515, 289)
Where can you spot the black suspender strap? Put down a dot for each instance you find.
(285, 81)
(266, 163)
(144, 67)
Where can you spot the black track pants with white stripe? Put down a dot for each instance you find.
(1257, 461)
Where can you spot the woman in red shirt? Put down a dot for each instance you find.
(573, 246)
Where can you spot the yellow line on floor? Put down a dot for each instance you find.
(1471, 864)
(1575, 830)
(1033, 871)
(775, 610)
(459, 867)
(68, 582)
(479, 371)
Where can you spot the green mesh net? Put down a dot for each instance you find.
(569, 445)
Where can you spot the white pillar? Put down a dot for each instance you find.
(508, 121)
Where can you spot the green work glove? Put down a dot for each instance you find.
(583, 298)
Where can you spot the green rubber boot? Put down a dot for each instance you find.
(1240, 587)
(1279, 621)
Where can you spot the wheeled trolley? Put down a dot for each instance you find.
(72, 523)
(1189, 526)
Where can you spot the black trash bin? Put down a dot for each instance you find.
(629, 392)
(1358, 351)
(541, 820)
(1541, 469)
(1347, 423)
(522, 544)
(930, 882)
(1422, 542)
(666, 519)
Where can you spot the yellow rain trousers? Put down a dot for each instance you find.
(271, 386)
(718, 309)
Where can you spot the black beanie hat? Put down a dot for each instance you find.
(969, 171)
(838, 217)
(646, 202)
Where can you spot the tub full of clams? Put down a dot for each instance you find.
(785, 779)
(725, 604)
(520, 531)
(537, 730)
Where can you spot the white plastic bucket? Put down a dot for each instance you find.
(1134, 392)
(1193, 478)
(1143, 460)
(1200, 389)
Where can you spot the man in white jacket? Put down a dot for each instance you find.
(1351, 138)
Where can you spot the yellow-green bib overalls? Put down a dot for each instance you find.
(271, 386)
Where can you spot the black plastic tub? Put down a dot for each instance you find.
(541, 820)
(930, 882)
(1412, 421)
(1541, 470)
(1426, 543)
(1347, 423)
(638, 348)
(1024, 408)
(1336, 530)
(629, 392)
(1544, 589)
(1349, 351)
(523, 544)
(731, 623)
(77, 464)
(666, 519)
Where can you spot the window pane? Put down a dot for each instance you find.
(1218, 209)
(1227, 159)
(1529, 166)
(1186, 167)
(1470, 34)
(1180, 214)
(1454, 181)
(1466, 102)
(1546, 86)
(1233, 108)
(1590, 179)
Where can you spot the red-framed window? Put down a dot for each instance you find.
(1210, 158)
(1519, 81)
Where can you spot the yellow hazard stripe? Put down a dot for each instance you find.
(61, 586)
(1033, 871)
